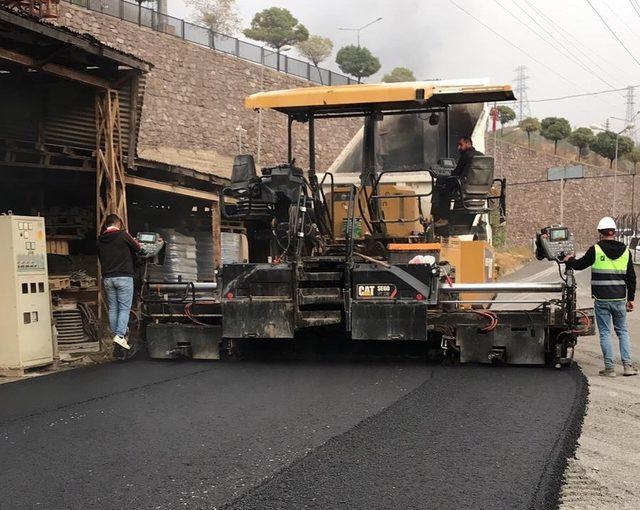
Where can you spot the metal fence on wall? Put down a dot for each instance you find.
(150, 18)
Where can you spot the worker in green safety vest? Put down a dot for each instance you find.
(613, 287)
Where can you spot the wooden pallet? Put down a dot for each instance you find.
(79, 232)
(59, 283)
(88, 283)
(21, 372)
(83, 347)
(233, 229)
(58, 246)
(68, 220)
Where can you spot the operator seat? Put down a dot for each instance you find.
(243, 172)
(471, 197)
(245, 192)
(475, 185)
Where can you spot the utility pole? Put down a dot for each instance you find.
(631, 108)
(494, 122)
(524, 110)
(562, 201)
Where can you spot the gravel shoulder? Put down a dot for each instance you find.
(606, 470)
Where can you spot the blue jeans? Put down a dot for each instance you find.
(606, 313)
(119, 291)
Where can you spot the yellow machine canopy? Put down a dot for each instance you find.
(379, 97)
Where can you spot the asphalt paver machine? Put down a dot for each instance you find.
(366, 278)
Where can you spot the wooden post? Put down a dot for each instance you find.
(133, 122)
(110, 174)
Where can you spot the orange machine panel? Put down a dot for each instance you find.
(393, 209)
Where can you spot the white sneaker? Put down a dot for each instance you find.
(122, 342)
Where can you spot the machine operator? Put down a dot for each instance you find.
(613, 287)
(117, 251)
(446, 187)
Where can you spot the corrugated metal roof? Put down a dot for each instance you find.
(204, 161)
(50, 25)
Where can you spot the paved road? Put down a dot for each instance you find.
(287, 434)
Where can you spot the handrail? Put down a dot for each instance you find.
(351, 222)
(330, 211)
(399, 196)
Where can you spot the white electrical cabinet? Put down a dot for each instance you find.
(25, 328)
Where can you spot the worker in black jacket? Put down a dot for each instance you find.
(613, 287)
(446, 188)
(116, 252)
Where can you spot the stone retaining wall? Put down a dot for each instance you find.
(532, 202)
(194, 96)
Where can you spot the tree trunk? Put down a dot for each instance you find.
(555, 147)
(529, 138)
(501, 130)
(579, 152)
(319, 74)
(611, 163)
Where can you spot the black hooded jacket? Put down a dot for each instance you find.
(465, 160)
(614, 250)
(116, 251)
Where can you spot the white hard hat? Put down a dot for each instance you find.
(607, 223)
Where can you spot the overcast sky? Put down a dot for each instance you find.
(436, 39)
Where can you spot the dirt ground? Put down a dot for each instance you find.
(512, 259)
(606, 470)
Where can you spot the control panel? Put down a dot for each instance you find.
(150, 244)
(554, 243)
(29, 253)
(444, 167)
(24, 293)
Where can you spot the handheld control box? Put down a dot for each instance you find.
(150, 243)
(554, 243)
(444, 167)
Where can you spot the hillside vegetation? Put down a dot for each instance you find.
(565, 150)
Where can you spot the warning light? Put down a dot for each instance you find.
(419, 297)
(229, 295)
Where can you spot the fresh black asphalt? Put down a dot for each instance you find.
(288, 434)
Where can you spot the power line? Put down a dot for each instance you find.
(573, 40)
(581, 95)
(635, 6)
(567, 51)
(633, 32)
(612, 32)
(527, 54)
